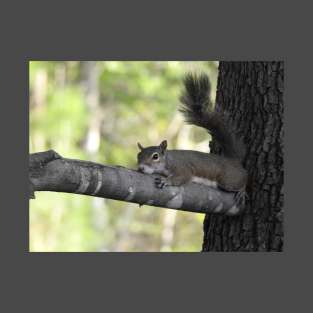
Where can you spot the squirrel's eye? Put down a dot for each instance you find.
(155, 156)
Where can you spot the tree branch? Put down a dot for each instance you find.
(48, 171)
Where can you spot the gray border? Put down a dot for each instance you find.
(148, 282)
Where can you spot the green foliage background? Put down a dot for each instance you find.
(137, 101)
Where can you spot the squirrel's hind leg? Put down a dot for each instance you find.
(240, 198)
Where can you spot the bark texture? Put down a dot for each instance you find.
(252, 95)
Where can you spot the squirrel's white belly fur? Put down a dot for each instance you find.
(204, 181)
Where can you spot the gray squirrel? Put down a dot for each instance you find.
(178, 167)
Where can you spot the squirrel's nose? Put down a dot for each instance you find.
(140, 168)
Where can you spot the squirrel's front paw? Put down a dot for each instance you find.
(160, 182)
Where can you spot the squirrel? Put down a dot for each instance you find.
(178, 167)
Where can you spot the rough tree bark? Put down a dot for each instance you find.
(252, 94)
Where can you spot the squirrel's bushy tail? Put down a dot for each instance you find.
(197, 109)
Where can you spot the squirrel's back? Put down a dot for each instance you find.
(227, 173)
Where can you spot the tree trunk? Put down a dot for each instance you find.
(252, 95)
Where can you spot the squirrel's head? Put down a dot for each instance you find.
(152, 159)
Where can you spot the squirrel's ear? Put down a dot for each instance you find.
(140, 146)
(163, 145)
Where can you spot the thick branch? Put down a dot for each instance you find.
(50, 172)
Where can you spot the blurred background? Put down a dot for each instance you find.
(98, 111)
